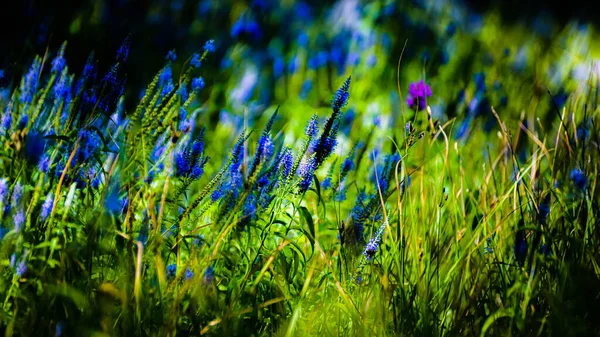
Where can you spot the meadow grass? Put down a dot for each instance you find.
(146, 223)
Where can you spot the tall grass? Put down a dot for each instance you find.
(145, 223)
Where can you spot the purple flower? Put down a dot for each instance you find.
(417, 95)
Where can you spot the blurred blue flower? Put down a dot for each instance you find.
(326, 184)
(171, 271)
(578, 178)
(21, 268)
(17, 194)
(19, 220)
(188, 274)
(197, 83)
(58, 63)
(47, 207)
(195, 61)
(171, 56)
(209, 275)
(246, 26)
(209, 46)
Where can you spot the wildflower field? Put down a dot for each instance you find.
(302, 169)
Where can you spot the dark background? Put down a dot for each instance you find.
(29, 27)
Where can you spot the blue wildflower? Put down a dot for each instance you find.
(123, 50)
(62, 89)
(19, 220)
(6, 122)
(326, 184)
(340, 99)
(217, 194)
(59, 329)
(578, 178)
(171, 56)
(312, 128)
(30, 82)
(417, 95)
(209, 46)
(23, 121)
(197, 83)
(249, 210)
(59, 63)
(89, 142)
(3, 190)
(166, 76)
(21, 268)
(47, 207)
(17, 194)
(89, 70)
(286, 163)
(195, 61)
(209, 275)
(373, 244)
(479, 79)
(306, 172)
(190, 160)
(348, 164)
(188, 274)
(371, 248)
(171, 271)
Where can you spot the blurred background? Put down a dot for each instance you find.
(270, 52)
